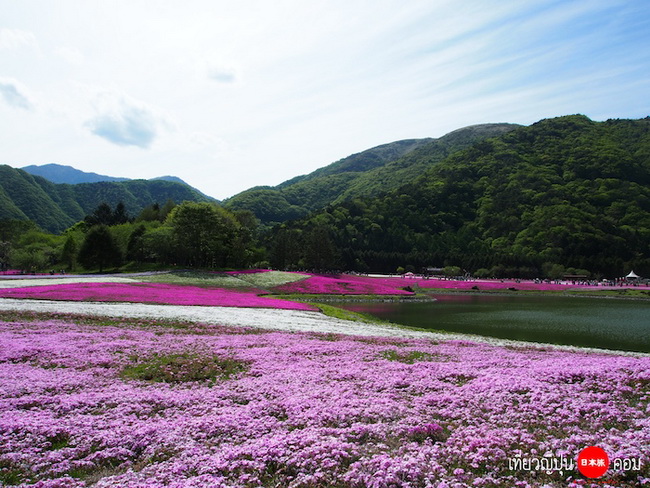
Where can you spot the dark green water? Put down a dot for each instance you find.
(586, 322)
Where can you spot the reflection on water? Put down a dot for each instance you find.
(587, 322)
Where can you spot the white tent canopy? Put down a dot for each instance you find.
(632, 276)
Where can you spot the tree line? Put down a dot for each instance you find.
(200, 235)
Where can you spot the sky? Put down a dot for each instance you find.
(228, 95)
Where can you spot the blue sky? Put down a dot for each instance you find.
(232, 94)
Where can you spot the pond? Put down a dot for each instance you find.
(578, 321)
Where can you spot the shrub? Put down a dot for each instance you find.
(406, 357)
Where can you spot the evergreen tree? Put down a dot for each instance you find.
(135, 247)
(102, 215)
(120, 215)
(99, 249)
(320, 252)
(5, 247)
(150, 213)
(286, 248)
(69, 253)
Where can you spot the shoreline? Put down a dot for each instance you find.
(536, 293)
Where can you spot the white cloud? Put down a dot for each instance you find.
(15, 94)
(123, 121)
(221, 74)
(16, 38)
(71, 55)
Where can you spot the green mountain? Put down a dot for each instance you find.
(368, 173)
(55, 207)
(564, 192)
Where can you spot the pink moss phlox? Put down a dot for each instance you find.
(10, 272)
(152, 293)
(497, 285)
(345, 285)
(307, 412)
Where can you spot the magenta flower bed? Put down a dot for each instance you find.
(497, 285)
(309, 412)
(10, 272)
(365, 285)
(345, 285)
(151, 293)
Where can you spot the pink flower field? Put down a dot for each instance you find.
(497, 285)
(85, 402)
(346, 285)
(152, 293)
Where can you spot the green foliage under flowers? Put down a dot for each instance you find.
(408, 357)
(59, 441)
(183, 367)
(11, 473)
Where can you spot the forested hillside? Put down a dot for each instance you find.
(368, 173)
(55, 207)
(564, 192)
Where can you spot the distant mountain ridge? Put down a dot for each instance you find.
(57, 206)
(61, 173)
(365, 174)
